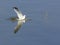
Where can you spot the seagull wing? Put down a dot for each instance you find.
(18, 26)
(19, 14)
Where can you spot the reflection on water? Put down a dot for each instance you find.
(19, 24)
(44, 16)
(12, 19)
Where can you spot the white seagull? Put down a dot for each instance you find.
(21, 19)
(19, 14)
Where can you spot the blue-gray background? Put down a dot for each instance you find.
(44, 29)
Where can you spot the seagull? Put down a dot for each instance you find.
(19, 14)
(21, 19)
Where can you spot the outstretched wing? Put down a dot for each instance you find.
(18, 26)
(19, 14)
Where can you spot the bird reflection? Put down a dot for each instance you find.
(12, 19)
(20, 18)
(19, 24)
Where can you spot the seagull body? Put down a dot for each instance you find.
(21, 19)
(19, 14)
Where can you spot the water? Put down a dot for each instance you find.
(44, 29)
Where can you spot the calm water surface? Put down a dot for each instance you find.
(44, 28)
